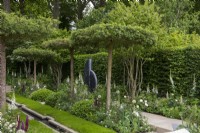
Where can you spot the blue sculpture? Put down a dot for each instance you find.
(90, 77)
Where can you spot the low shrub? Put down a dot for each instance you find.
(84, 109)
(64, 101)
(52, 99)
(41, 94)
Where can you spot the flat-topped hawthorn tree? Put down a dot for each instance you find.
(64, 43)
(13, 28)
(35, 55)
(110, 36)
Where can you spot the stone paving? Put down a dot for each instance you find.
(161, 123)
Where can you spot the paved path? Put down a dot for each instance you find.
(162, 124)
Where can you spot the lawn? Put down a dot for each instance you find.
(64, 117)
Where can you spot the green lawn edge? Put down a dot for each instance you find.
(35, 126)
(63, 117)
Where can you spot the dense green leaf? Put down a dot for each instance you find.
(105, 34)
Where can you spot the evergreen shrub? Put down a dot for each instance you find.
(184, 65)
(52, 99)
(41, 94)
(84, 109)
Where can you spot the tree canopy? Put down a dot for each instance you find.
(15, 27)
(103, 34)
(58, 43)
(36, 54)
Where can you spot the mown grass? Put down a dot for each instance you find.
(35, 126)
(63, 117)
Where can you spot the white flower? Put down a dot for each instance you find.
(141, 100)
(37, 85)
(13, 124)
(10, 126)
(136, 113)
(124, 96)
(67, 80)
(145, 101)
(117, 91)
(75, 90)
(121, 106)
(146, 104)
(76, 81)
(18, 83)
(134, 101)
(20, 131)
(99, 96)
(137, 106)
(6, 124)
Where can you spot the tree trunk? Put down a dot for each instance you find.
(25, 69)
(6, 5)
(2, 73)
(108, 101)
(35, 71)
(56, 9)
(29, 68)
(21, 7)
(57, 74)
(72, 71)
(102, 3)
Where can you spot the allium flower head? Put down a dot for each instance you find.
(134, 101)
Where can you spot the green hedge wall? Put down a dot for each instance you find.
(184, 64)
(99, 66)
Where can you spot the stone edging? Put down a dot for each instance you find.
(49, 119)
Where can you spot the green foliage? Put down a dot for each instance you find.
(37, 54)
(15, 28)
(41, 94)
(184, 66)
(135, 14)
(95, 16)
(84, 109)
(64, 101)
(99, 63)
(181, 16)
(52, 99)
(191, 119)
(63, 117)
(124, 118)
(58, 43)
(120, 35)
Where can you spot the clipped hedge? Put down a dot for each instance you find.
(52, 99)
(184, 65)
(99, 66)
(41, 94)
(84, 109)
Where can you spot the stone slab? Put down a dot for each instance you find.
(161, 123)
